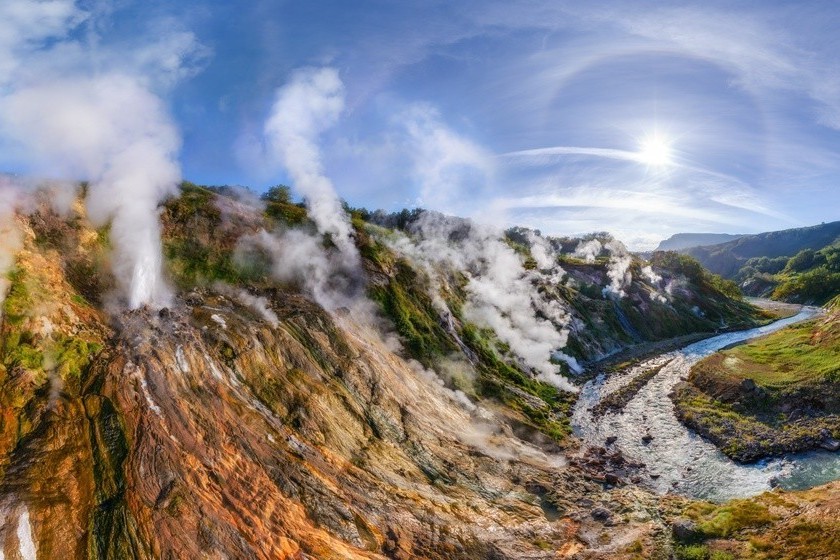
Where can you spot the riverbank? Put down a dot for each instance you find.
(646, 429)
(635, 354)
(776, 395)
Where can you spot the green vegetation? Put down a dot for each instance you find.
(772, 526)
(200, 246)
(817, 285)
(408, 305)
(691, 269)
(727, 259)
(799, 265)
(733, 517)
(776, 394)
(403, 295)
(280, 208)
(802, 539)
(700, 552)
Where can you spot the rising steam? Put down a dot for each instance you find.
(309, 104)
(10, 236)
(501, 294)
(76, 112)
(618, 269)
(304, 108)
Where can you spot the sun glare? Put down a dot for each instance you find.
(655, 151)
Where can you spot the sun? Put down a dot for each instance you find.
(655, 151)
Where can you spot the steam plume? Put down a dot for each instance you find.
(588, 250)
(304, 108)
(501, 294)
(10, 236)
(128, 156)
(75, 110)
(618, 269)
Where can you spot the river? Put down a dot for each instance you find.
(677, 459)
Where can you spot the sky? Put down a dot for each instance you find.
(643, 119)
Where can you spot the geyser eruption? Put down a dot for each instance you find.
(80, 109)
(114, 132)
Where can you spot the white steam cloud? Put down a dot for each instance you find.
(542, 252)
(75, 110)
(258, 304)
(330, 270)
(11, 239)
(588, 250)
(656, 281)
(501, 294)
(304, 108)
(618, 269)
(127, 155)
(301, 258)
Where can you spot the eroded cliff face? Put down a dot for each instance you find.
(205, 431)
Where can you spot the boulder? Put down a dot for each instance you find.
(684, 530)
(830, 444)
(600, 514)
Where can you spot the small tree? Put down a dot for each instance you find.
(278, 193)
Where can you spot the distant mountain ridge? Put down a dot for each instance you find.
(680, 241)
(801, 264)
(726, 259)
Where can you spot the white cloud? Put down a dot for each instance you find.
(445, 163)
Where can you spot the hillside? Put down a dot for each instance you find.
(799, 265)
(680, 241)
(274, 411)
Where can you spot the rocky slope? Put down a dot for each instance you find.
(245, 421)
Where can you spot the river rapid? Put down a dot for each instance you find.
(677, 459)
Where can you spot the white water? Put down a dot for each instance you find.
(26, 544)
(683, 461)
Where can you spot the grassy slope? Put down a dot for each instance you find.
(773, 526)
(795, 401)
(799, 265)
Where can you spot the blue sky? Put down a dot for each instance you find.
(639, 118)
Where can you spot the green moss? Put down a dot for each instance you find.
(18, 301)
(692, 552)
(408, 305)
(196, 250)
(733, 517)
